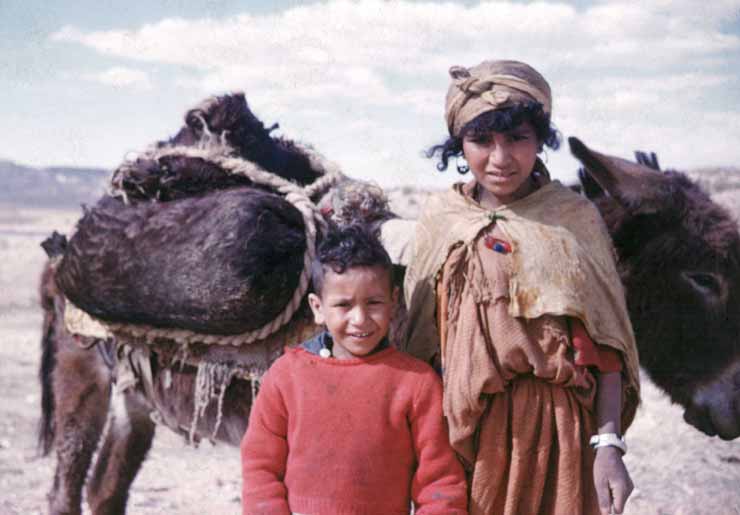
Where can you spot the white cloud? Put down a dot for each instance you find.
(405, 36)
(121, 77)
(623, 73)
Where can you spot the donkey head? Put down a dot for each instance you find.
(679, 259)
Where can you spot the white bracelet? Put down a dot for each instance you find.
(608, 440)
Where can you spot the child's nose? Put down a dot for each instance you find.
(358, 315)
(500, 155)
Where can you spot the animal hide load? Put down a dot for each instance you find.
(187, 239)
(199, 263)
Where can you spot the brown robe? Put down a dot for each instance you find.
(520, 410)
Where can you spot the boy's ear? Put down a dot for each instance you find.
(394, 295)
(315, 302)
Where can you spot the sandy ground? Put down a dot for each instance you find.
(676, 469)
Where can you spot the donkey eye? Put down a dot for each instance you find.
(706, 283)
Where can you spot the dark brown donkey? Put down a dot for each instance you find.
(143, 256)
(679, 256)
(679, 260)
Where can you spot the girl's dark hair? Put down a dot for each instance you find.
(498, 120)
(348, 247)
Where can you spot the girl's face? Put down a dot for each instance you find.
(502, 162)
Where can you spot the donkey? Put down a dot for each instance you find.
(80, 394)
(679, 260)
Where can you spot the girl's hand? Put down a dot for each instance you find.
(613, 483)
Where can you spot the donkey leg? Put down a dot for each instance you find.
(126, 444)
(81, 397)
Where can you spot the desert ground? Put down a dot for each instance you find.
(676, 469)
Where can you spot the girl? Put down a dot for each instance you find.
(514, 288)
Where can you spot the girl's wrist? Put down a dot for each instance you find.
(608, 440)
(609, 450)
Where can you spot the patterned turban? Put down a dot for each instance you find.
(492, 85)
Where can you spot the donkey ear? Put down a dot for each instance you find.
(55, 245)
(648, 159)
(589, 186)
(633, 185)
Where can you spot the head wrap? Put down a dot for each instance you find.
(492, 85)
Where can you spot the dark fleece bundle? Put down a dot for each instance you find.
(183, 243)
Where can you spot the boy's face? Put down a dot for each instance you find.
(356, 308)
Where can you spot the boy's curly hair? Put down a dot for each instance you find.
(345, 247)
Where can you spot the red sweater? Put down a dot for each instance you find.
(349, 437)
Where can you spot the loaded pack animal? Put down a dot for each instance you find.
(180, 355)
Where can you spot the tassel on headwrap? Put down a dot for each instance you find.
(492, 85)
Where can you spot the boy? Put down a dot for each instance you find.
(345, 424)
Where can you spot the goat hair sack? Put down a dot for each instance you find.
(225, 262)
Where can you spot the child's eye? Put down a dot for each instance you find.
(518, 137)
(480, 139)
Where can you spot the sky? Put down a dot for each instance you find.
(88, 83)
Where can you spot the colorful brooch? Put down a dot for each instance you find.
(496, 244)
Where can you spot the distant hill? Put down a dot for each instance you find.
(50, 187)
(69, 187)
(718, 179)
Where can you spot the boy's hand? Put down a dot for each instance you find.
(613, 483)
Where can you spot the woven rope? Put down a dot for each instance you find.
(298, 196)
